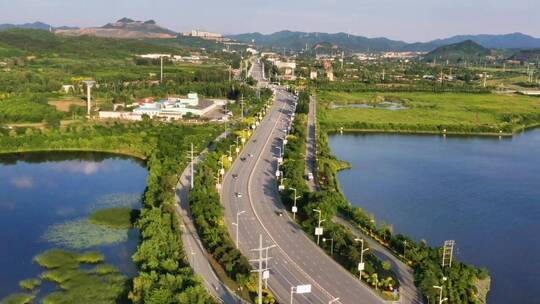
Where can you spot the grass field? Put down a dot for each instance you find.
(431, 112)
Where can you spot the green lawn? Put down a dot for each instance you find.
(431, 112)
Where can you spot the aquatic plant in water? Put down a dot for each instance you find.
(81, 234)
(115, 217)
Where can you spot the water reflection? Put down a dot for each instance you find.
(43, 191)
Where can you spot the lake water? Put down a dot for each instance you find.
(40, 191)
(482, 192)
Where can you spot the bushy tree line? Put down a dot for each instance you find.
(329, 201)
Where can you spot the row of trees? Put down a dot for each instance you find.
(346, 250)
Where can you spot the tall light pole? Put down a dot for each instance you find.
(294, 208)
(333, 301)
(440, 288)
(230, 152)
(361, 265)
(331, 246)
(237, 224)
(89, 85)
(319, 229)
(300, 289)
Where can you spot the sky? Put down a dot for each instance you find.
(407, 20)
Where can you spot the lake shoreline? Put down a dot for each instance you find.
(334, 131)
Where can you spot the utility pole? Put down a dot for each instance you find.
(263, 272)
(192, 179)
(242, 105)
(485, 79)
(89, 85)
(230, 73)
(161, 74)
(442, 76)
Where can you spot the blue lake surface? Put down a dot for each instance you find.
(40, 190)
(483, 192)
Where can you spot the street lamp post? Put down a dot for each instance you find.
(440, 288)
(237, 224)
(361, 264)
(319, 229)
(230, 152)
(333, 301)
(331, 246)
(294, 208)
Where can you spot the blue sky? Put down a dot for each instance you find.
(409, 20)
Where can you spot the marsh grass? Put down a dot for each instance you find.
(122, 217)
(18, 298)
(30, 284)
(81, 234)
(456, 112)
(100, 284)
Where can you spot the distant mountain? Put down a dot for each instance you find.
(299, 40)
(34, 26)
(505, 41)
(463, 51)
(123, 28)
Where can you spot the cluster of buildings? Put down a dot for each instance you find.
(286, 68)
(192, 58)
(173, 108)
(206, 35)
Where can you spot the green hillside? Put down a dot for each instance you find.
(17, 42)
(463, 51)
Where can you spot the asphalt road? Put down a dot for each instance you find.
(296, 259)
(195, 251)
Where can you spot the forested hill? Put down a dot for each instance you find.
(463, 51)
(19, 42)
